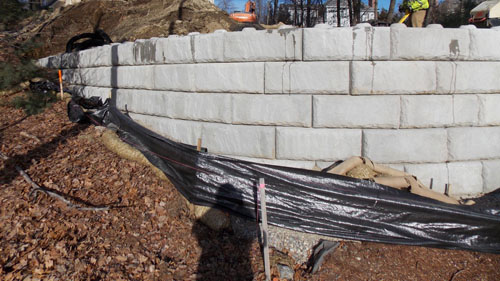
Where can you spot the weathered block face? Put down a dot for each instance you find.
(420, 99)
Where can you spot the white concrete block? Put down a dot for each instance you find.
(489, 113)
(103, 93)
(145, 51)
(465, 110)
(250, 141)
(393, 77)
(208, 47)
(484, 44)
(380, 45)
(70, 60)
(429, 44)
(72, 76)
(94, 57)
(465, 178)
(284, 110)
(145, 102)
(54, 61)
(491, 175)
(229, 77)
(317, 144)
(473, 143)
(468, 77)
(323, 165)
(371, 42)
(43, 62)
(425, 172)
(426, 111)
(328, 44)
(135, 77)
(405, 146)
(309, 165)
(356, 111)
(174, 49)
(265, 45)
(97, 76)
(182, 131)
(307, 77)
(207, 107)
(124, 54)
(178, 77)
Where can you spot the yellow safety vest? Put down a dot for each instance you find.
(416, 5)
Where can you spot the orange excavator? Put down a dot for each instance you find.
(248, 16)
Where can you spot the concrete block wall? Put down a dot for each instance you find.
(424, 100)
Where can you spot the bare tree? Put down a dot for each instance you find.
(375, 9)
(338, 13)
(226, 5)
(390, 13)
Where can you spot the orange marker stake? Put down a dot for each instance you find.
(60, 83)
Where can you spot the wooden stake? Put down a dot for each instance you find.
(198, 146)
(60, 83)
(262, 191)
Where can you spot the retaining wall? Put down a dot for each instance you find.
(425, 100)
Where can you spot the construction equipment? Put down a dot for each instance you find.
(248, 16)
(486, 14)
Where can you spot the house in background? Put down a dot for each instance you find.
(326, 13)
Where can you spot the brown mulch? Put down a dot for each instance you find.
(148, 234)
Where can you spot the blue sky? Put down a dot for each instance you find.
(240, 4)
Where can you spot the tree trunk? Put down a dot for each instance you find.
(338, 13)
(308, 14)
(301, 13)
(349, 6)
(275, 13)
(375, 9)
(357, 11)
(390, 13)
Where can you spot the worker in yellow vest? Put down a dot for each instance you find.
(417, 10)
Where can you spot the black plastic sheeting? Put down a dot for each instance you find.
(311, 201)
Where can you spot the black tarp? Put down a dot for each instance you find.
(311, 201)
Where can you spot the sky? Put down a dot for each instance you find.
(239, 5)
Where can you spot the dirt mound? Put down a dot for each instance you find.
(129, 20)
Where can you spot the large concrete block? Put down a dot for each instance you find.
(145, 51)
(208, 107)
(465, 110)
(489, 113)
(135, 77)
(265, 45)
(468, 77)
(307, 77)
(97, 76)
(250, 141)
(54, 61)
(123, 54)
(491, 175)
(187, 132)
(72, 76)
(284, 163)
(281, 110)
(356, 111)
(317, 144)
(43, 62)
(94, 57)
(484, 44)
(328, 44)
(473, 143)
(208, 47)
(393, 77)
(426, 111)
(465, 178)
(429, 44)
(174, 49)
(405, 146)
(179, 77)
(229, 77)
(103, 93)
(70, 60)
(371, 42)
(145, 102)
(438, 173)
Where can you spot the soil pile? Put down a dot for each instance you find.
(125, 21)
